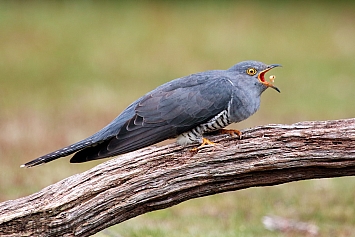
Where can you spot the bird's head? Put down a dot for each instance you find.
(256, 70)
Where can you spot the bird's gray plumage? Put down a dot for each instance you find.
(193, 104)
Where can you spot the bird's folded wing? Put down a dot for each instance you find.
(164, 113)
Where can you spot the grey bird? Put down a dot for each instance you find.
(184, 108)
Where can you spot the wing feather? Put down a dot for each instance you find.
(164, 113)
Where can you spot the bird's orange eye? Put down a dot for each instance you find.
(251, 71)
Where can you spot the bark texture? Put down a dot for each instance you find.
(160, 177)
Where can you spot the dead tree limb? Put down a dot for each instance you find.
(157, 178)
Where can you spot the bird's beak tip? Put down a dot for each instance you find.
(272, 86)
(275, 65)
(276, 89)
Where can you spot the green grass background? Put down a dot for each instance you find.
(68, 68)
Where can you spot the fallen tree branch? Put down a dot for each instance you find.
(160, 177)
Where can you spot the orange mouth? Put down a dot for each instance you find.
(261, 77)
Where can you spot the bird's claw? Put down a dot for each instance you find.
(205, 143)
(231, 132)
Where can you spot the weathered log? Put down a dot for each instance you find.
(160, 177)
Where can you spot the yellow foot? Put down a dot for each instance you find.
(205, 142)
(232, 132)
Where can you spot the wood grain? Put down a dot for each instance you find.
(160, 177)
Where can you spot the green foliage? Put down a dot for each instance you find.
(67, 68)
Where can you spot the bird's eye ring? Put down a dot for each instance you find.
(251, 71)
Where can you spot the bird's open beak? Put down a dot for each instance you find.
(261, 77)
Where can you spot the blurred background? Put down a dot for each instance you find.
(67, 68)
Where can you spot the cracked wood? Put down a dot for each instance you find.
(160, 177)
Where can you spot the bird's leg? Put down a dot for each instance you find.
(232, 132)
(205, 142)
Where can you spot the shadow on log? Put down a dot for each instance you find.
(157, 178)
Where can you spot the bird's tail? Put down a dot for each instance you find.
(59, 153)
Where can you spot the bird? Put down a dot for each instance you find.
(185, 108)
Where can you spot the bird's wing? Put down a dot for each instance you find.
(167, 111)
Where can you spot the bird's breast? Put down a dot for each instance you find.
(243, 104)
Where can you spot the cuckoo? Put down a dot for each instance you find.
(185, 108)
